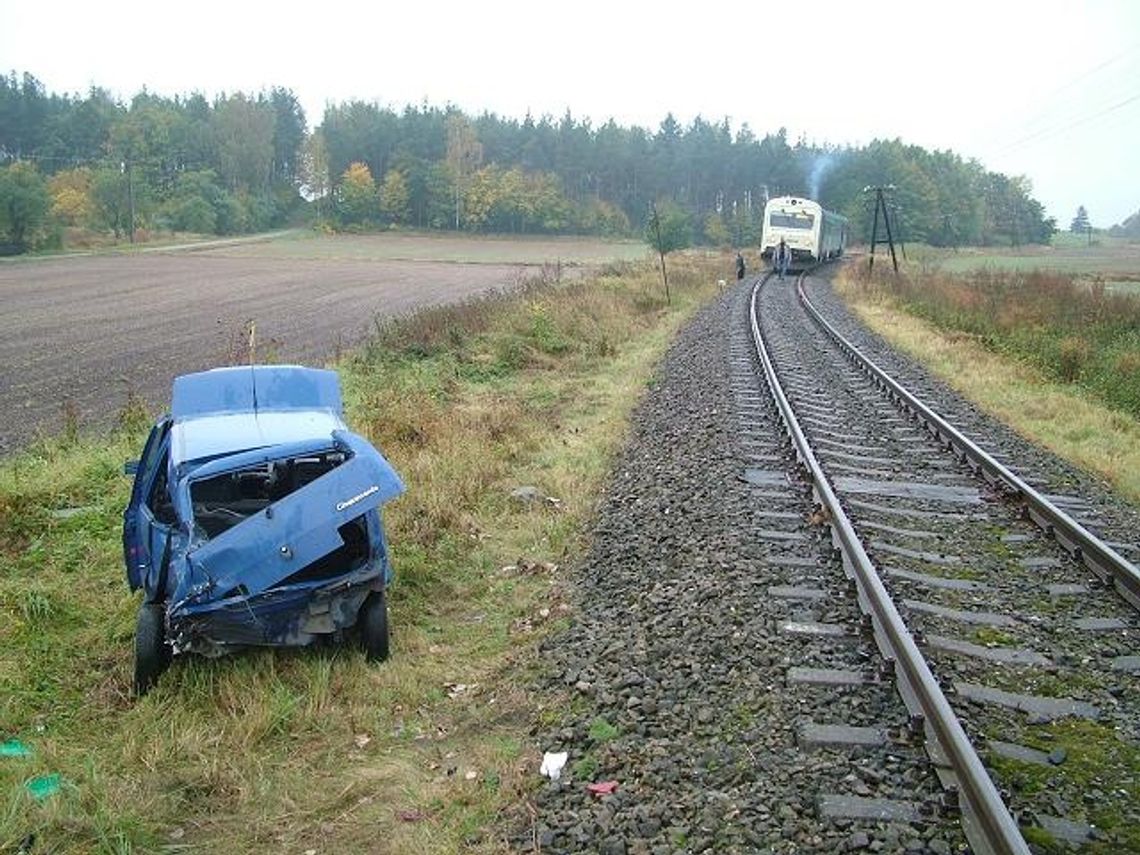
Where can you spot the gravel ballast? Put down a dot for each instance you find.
(716, 668)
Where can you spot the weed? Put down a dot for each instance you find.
(70, 414)
(1042, 839)
(36, 607)
(1072, 356)
(990, 637)
(602, 731)
(135, 416)
(585, 768)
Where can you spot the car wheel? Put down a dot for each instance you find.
(373, 621)
(152, 656)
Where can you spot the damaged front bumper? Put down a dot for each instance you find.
(286, 616)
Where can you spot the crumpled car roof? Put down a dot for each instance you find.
(226, 410)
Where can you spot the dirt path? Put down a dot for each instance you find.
(89, 330)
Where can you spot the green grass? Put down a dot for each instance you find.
(602, 731)
(1094, 753)
(1109, 258)
(316, 749)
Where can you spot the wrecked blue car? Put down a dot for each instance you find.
(254, 519)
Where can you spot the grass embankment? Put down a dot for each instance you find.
(1056, 359)
(315, 749)
(1109, 262)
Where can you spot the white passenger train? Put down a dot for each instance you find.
(812, 233)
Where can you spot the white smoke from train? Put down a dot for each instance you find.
(819, 167)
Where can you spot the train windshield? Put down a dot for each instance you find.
(791, 221)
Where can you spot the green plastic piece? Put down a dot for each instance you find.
(14, 748)
(43, 787)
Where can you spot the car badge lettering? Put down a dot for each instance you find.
(348, 503)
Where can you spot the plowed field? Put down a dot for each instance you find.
(84, 332)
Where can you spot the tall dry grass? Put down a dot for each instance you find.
(316, 749)
(1072, 329)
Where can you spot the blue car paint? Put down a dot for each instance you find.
(301, 528)
(231, 590)
(264, 388)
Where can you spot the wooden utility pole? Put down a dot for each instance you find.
(881, 205)
(130, 204)
(655, 221)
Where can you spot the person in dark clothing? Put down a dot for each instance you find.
(782, 257)
(739, 266)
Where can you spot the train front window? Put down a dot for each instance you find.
(791, 221)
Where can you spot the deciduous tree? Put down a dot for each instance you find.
(71, 202)
(394, 196)
(243, 138)
(24, 204)
(666, 231)
(464, 155)
(109, 196)
(314, 170)
(356, 201)
(716, 231)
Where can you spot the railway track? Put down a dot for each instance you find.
(1006, 639)
(721, 671)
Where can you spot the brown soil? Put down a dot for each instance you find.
(80, 334)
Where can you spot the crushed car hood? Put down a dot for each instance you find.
(288, 534)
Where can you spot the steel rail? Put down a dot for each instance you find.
(1075, 538)
(986, 821)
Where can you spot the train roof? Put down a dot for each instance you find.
(785, 202)
(791, 202)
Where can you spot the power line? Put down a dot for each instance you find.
(1027, 124)
(1090, 73)
(1050, 132)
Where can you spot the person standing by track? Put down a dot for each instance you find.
(739, 266)
(782, 257)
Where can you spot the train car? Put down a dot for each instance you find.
(812, 233)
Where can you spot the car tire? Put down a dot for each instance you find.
(152, 656)
(373, 621)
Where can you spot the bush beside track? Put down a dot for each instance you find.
(1072, 331)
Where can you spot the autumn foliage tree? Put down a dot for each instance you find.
(71, 202)
(394, 196)
(356, 202)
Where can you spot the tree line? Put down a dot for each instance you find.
(247, 162)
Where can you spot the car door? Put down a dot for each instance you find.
(152, 520)
(295, 531)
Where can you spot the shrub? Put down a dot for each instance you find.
(1072, 356)
(1075, 330)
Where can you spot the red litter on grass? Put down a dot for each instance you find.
(602, 788)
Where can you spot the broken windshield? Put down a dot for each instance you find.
(222, 501)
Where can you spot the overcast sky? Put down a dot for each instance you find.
(1046, 89)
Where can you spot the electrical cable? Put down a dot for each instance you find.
(1050, 132)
